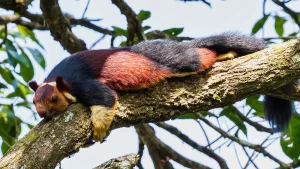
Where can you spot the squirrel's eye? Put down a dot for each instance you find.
(54, 99)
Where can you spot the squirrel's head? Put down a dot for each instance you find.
(52, 97)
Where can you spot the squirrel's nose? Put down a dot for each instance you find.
(42, 113)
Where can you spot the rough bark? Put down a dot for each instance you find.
(124, 162)
(227, 82)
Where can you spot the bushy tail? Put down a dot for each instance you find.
(278, 112)
(230, 41)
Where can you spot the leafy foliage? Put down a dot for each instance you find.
(290, 141)
(173, 31)
(279, 22)
(230, 113)
(16, 70)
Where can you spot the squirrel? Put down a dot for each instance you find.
(92, 77)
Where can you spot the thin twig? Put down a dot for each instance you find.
(256, 125)
(237, 155)
(204, 132)
(220, 137)
(255, 147)
(249, 158)
(193, 144)
(86, 7)
(97, 41)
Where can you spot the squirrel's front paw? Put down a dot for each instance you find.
(101, 118)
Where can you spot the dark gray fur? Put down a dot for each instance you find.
(222, 43)
(181, 56)
(178, 57)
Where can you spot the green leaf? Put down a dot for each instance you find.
(2, 85)
(294, 34)
(20, 91)
(146, 28)
(38, 56)
(188, 116)
(30, 126)
(10, 127)
(173, 31)
(193, 115)
(28, 33)
(7, 75)
(255, 104)
(123, 43)
(279, 22)
(290, 141)
(229, 112)
(5, 146)
(143, 15)
(27, 72)
(10, 47)
(120, 31)
(259, 24)
(24, 104)
(19, 58)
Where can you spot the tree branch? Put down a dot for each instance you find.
(59, 27)
(134, 25)
(243, 143)
(256, 125)
(128, 161)
(155, 147)
(193, 144)
(289, 11)
(161, 152)
(224, 84)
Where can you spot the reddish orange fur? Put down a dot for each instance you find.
(207, 58)
(42, 100)
(126, 70)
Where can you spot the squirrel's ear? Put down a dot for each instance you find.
(33, 85)
(61, 84)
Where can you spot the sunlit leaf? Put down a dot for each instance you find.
(290, 141)
(143, 15)
(10, 127)
(37, 55)
(10, 47)
(259, 24)
(255, 104)
(20, 91)
(173, 31)
(24, 104)
(279, 22)
(28, 33)
(7, 75)
(19, 58)
(27, 72)
(120, 31)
